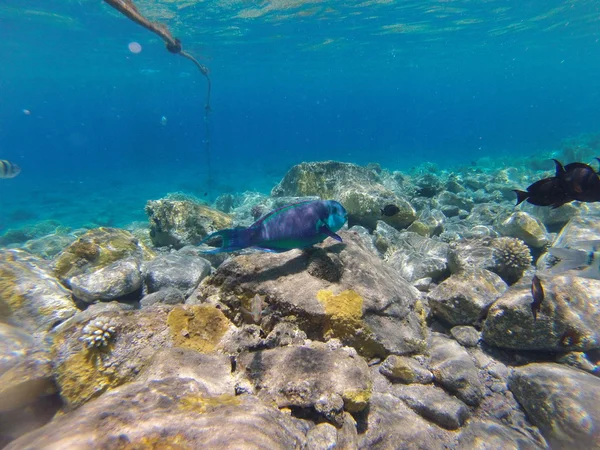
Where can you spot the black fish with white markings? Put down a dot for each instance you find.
(8, 169)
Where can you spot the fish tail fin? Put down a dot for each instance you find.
(232, 239)
(569, 259)
(521, 196)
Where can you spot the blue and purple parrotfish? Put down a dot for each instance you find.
(298, 225)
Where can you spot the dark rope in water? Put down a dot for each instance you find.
(127, 8)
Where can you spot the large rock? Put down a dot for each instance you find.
(48, 246)
(179, 271)
(96, 249)
(182, 222)
(169, 413)
(454, 370)
(464, 298)
(569, 319)
(84, 371)
(112, 282)
(523, 226)
(489, 435)
(357, 188)
(370, 308)
(30, 297)
(562, 402)
(314, 377)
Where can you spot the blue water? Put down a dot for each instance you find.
(400, 83)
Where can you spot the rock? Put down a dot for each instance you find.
(554, 218)
(466, 336)
(26, 382)
(462, 200)
(48, 246)
(392, 424)
(168, 296)
(417, 257)
(182, 272)
(525, 227)
(285, 333)
(405, 369)
(464, 298)
(326, 436)
(112, 282)
(371, 308)
(454, 370)
(489, 435)
(355, 187)
(566, 421)
(96, 249)
(434, 404)
(169, 413)
(569, 319)
(83, 372)
(16, 345)
(179, 223)
(30, 297)
(579, 360)
(310, 375)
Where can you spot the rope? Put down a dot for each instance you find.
(127, 8)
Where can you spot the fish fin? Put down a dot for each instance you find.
(325, 230)
(592, 271)
(569, 259)
(521, 196)
(233, 239)
(559, 167)
(587, 246)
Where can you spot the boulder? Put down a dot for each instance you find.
(524, 226)
(405, 369)
(569, 318)
(179, 271)
(464, 298)
(178, 223)
(561, 401)
(490, 435)
(370, 308)
(112, 282)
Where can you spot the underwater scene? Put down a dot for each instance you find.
(299, 224)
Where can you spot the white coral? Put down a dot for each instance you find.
(97, 333)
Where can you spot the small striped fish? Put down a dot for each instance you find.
(8, 169)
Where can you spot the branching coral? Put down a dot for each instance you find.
(512, 258)
(97, 333)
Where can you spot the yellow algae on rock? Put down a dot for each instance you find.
(10, 298)
(357, 399)
(157, 441)
(201, 404)
(98, 248)
(84, 376)
(344, 321)
(199, 327)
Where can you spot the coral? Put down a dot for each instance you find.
(512, 258)
(97, 333)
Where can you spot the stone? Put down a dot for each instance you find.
(357, 188)
(569, 318)
(489, 435)
(466, 336)
(392, 424)
(405, 369)
(561, 401)
(83, 373)
(370, 308)
(169, 413)
(16, 345)
(30, 297)
(579, 360)
(98, 248)
(434, 404)
(167, 296)
(112, 282)
(178, 223)
(463, 299)
(182, 272)
(454, 370)
(310, 374)
(523, 226)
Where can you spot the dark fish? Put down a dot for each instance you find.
(537, 292)
(8, 169)
(581, 181)
(546, 192)
(299, 225)
(390, 210)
